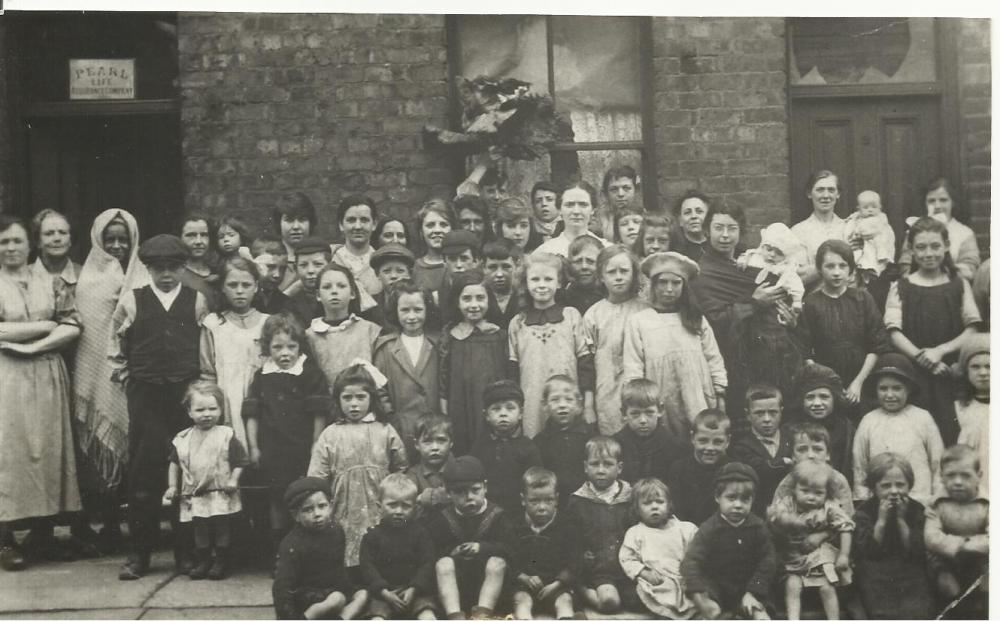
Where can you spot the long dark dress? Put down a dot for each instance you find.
(467, 367)
(931, 316)
(841, 331)
(755, 347)
(892, 580)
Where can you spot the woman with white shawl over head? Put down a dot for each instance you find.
(99, 407)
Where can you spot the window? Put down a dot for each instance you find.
(862, 50)
(594, 68)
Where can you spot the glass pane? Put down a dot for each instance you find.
(504, 46)
(597, 80)
(862, 50)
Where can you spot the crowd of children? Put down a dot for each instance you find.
(500, 411)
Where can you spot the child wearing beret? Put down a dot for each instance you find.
(310, 581)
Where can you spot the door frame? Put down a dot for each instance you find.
(945, 90)
(22, 112)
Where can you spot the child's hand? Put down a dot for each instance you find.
(742, 260)
(255, 457)
(885, 508)
(532, 583)
(393, 599)
(843, 562)
(169, 495)
(231, 486)
(708, 607)
(720, 401)
(853, 392)
(548, 590)
(17, 349)
(651, 576)
(466, 550)
(407, 595)
(752, 608)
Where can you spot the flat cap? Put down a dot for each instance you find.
(391, 252)
(163, 248)
(311, 244)
(736, 471)
(502, 390)
(464, 469)
(457, 241)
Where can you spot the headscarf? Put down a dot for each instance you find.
(100, 410)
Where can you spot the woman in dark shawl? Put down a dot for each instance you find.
(752, 323)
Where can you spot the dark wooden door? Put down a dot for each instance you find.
(82, 165)
(888, 144)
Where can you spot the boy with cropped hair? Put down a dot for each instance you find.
(540, 564)
(433, 443)
(271, 257)
(811, 442)
(765, 448)
(562, 444)
(501, 258)
(691, 477)
(394, 551)
(957, 531)
(648, 449)
(601, 512)
(584, 287)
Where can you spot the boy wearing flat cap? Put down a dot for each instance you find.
(503, 450)
(730, 564)
(156, 333)
(311, 256)
(472, 540)
(310, 581)
(391, 263)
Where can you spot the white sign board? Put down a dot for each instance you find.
(96, 78)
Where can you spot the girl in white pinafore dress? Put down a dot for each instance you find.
(205, 466)
(230, 341)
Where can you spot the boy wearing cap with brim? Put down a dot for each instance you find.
(311, 256)
(391, 263)
(504, 451)
(310, 581)
(730, 564)
(155, 338)
(472, 540)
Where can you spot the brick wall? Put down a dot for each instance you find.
(721, 118)
(974, 103)
(327, 104)
(5, 155)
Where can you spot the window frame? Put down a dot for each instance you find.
(646, 145)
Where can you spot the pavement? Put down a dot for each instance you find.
(90, 589)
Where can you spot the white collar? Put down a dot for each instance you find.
(538, 529)
(166, 299)
(319, 326)
(270, 366)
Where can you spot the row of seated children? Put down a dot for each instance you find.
(810, 517)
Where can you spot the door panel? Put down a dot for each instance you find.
(81, 166)
(887, 144)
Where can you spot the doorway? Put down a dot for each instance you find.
(83, 153)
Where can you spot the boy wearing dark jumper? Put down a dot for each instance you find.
(600, 512)
(584, 287)
(503, 450)
(271, 257)
(433, 436)
(730, 564)
(540, 564)
(765, 448)
(691, 477)
(311, 256)
(648, 449)
(156, 332)
(394, 551)
(562, 444)
(472, 542)
(310, 581)
(500, 260)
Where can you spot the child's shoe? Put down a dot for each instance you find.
(183, 563)
(202, 566)
(481, 612)
(219, 569)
